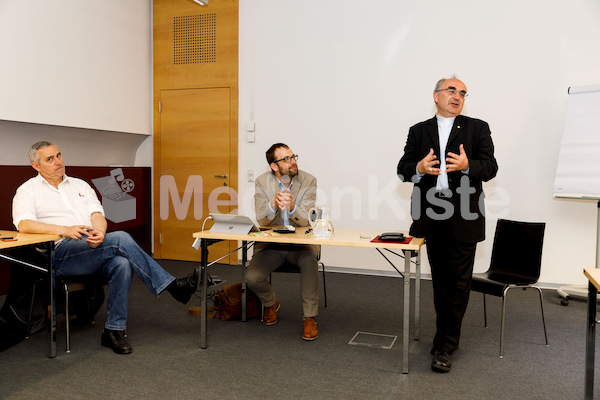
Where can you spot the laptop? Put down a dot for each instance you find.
(229, 223)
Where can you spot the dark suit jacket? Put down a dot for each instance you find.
(468, 224)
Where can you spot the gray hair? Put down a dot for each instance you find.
(33, 151)
(439, 83)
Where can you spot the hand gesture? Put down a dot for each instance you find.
(429, 164)
(284, 199)
(457, 162)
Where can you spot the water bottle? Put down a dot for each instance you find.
(285, 179)
(286, 216)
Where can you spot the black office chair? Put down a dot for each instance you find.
(516, 262)
(69, 285)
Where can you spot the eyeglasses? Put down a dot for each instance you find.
(452, 91)
(288, 159)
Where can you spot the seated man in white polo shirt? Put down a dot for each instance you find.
(55, 203)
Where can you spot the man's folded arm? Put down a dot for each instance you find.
(31, 226)
(99, 222)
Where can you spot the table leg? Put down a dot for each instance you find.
(590, 342)
(203, 274)
(244, 294)
(418, 296)
(406, 323)
(50, 250)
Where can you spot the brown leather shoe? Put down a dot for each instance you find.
(270, 314)
(310, 331)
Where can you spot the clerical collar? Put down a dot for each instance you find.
(445, 121)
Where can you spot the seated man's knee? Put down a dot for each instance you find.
(118, 266)
(254, 276)
(308, 259)
(120, 236)
(120, 239)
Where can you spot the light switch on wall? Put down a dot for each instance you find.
(250, 175)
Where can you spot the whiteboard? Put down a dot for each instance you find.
(578, 170)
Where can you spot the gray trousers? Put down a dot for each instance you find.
(267, 259)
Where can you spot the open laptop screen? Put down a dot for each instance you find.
(229, 223)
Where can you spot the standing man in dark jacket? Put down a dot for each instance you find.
(447, 158)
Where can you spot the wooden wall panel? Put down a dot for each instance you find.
(170, 73)
(223, 72)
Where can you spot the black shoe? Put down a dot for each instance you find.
(182, 289)
(114, 340)
(441, 361)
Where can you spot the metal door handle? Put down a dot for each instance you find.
(221, 176)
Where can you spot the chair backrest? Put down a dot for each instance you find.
(517, 251)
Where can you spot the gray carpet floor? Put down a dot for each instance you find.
(252, 361)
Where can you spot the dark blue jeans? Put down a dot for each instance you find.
(117, 258)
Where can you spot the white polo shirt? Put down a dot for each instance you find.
(72, 203)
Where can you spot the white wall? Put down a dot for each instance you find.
(82, 147)
(342, 81)
(75, 69)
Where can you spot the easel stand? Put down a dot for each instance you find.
(575, 291)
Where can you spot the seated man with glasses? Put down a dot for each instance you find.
(284, 196)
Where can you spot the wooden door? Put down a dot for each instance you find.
(194, 167)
